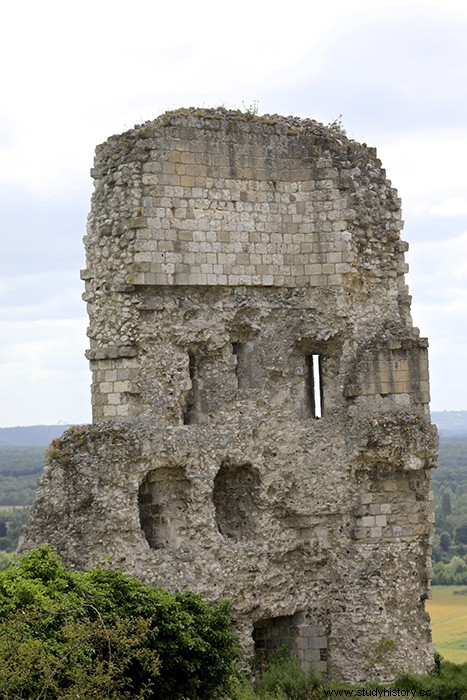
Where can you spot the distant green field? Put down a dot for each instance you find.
(448, 614)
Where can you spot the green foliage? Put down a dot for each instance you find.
(337, 126)
(450, 493)
(286, 675)
(446, 507)
(12, 520)
(445, 541)
(449, 682)
(454, 573)
(21, 461)
(85, 659)
(461, 534)
(286, 681)
(251, 111)
(279, 677)
(103, 634)
(6, 558)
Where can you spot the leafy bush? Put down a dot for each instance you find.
(104, 634)
(6, 558)
(449, 684)
(287, 676)
(277, 677)
(283, 679)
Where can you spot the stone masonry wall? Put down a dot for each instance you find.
(260, 397)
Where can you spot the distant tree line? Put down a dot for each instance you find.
(450, 494)
(20, 467)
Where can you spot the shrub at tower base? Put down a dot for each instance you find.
(103, 634)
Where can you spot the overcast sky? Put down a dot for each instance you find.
(73, 73)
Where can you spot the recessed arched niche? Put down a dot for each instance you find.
(162, 501)
(235, 496)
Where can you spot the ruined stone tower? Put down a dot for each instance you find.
(260, 397)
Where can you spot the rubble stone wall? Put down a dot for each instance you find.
(260, 397)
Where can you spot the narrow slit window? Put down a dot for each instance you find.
(238, 351)
(314, 386)
(190, 414)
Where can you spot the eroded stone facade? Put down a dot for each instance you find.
(260, 397)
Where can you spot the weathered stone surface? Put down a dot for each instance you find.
(260, 397)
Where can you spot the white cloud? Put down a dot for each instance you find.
(80, 72)
(454, 206)
(74, 73)
(441, 261)
(45, 295)
(438, 281)
(425, 165)
(45, 377)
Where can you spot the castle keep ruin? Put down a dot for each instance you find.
(260, 397)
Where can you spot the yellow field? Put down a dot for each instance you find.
(448, 614)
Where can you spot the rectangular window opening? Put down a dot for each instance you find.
(314, 386)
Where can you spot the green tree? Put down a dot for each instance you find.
(461, 534)
(445, 541)
(104, 634)
(454, 573)
(446, 503)
(13, 519)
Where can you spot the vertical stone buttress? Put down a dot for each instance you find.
(260, 397)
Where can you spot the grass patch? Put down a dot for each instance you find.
(282, 680)
(449, 684)
(276, 677)
(448, 614)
